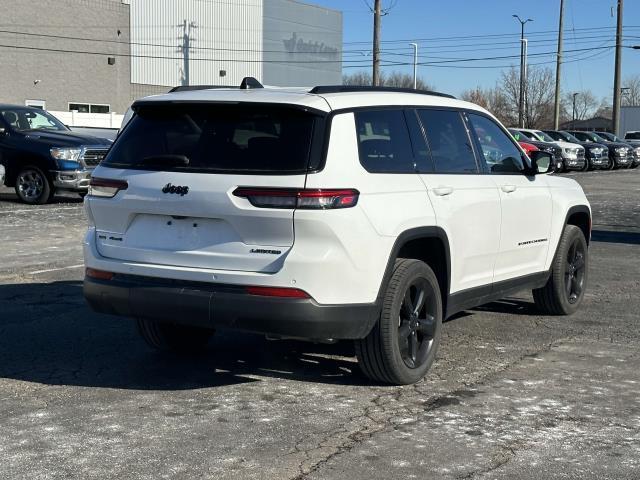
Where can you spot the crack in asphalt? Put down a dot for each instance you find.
(408, 405)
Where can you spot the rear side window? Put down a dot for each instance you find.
(632, 136)
(383, 142)
(216, 138)
(448, 140)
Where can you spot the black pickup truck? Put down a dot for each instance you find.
(41, 155)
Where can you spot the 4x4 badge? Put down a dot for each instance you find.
(180, 190)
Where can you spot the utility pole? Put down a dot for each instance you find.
(525, 82)
(185, 48)
(523, 72)
(556, 111)
(377, 14)
(618, 68)
(415, 65)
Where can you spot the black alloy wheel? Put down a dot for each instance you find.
(575, 271)
(564, 291)
(417, 323)
(402, 345)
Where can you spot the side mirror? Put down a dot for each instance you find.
(540, 162)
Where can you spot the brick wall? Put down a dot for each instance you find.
(63, 76)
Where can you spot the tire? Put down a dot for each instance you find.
(587, 165)
(33, 186)
(169, 337)
(611, 165)
(564, 291)
(403, 343)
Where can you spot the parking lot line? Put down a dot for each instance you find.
(37, 272)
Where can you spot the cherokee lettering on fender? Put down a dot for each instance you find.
(177, 189)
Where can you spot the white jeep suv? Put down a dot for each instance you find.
(368, 214)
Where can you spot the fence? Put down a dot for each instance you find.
(95, 120)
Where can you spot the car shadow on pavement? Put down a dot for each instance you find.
(512, 306)
(49, 335)
(609, 236)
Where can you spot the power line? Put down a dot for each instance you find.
(121, 42)
(364, 61)
(495, 35)
(162, 57)
(451, 49)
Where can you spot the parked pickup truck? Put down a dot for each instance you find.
(41, 155)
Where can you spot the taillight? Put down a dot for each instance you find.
(106, 187)
(99, 274)
(282, 292)
(321, 199)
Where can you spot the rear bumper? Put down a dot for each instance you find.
(211, 305)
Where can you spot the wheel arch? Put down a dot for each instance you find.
(429, 244)
(14, 167)
(580, 216)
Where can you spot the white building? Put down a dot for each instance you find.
(279, 42)
(120, 50)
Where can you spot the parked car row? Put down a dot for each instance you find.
(578, 150)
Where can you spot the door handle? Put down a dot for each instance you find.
(443, 190)
(508, 188)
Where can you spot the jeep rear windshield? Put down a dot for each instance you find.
(217, 138)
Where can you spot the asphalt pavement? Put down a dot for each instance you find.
(513, 394)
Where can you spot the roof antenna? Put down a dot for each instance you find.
(249, 83)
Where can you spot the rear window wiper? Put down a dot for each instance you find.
(166, 160)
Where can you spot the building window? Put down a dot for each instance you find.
(89, 107)
(41, 104)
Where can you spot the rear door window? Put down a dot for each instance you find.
(216, 138)
(383, 142)
(450, 145)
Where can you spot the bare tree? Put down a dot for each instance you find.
(605, 109)
(393, 79)
(494, 100)
(358, 78)
(631, 91)
(540, 92)
(586, 105)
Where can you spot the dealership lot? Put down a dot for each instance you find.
(512, 394)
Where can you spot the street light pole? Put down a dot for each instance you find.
(415, 65)
(573, 117)
(522, 71)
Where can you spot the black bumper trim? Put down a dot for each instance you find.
(212, 305)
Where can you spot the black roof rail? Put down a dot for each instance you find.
(249, 83)
(322, 89)
(186, 88)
